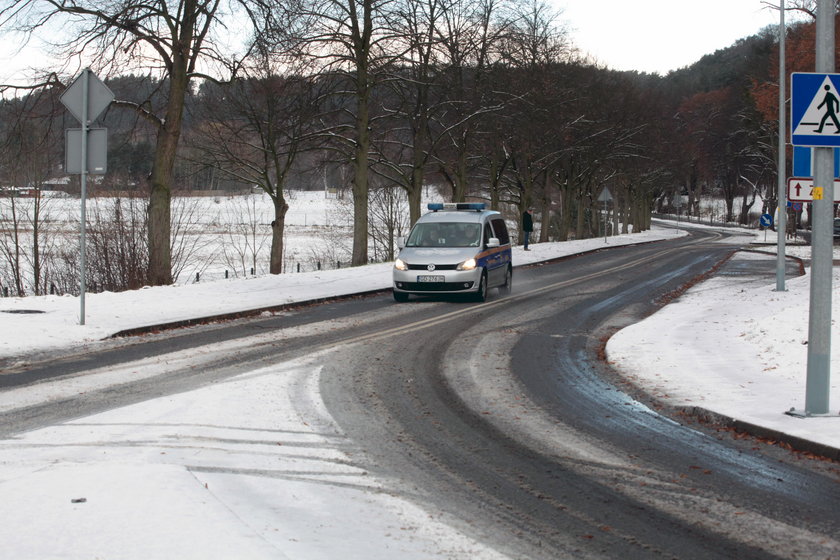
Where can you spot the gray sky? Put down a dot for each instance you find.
(644, 35)
(661, 35)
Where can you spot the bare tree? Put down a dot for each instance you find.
(28, 155)
(387, 204)
(244, 239)
(117, 256)
(11, 246)
(352, 40)
(254, 129)
(405, 146)
(188, 240)
(534, 46)
(171, 38)
(807, 7)
(470, 35)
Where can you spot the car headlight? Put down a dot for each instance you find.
(400, 265)
(468, 264)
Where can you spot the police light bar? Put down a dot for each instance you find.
(435, 206)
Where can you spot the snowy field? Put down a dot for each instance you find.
(214, 237)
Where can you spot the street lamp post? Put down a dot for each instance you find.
(781, 224)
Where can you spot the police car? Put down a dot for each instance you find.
(457, 248)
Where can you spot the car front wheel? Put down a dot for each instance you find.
(481, 295)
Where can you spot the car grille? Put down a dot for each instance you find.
(437, 267)
(435, 286)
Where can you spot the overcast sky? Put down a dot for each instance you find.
(661, 35)
(645, 35)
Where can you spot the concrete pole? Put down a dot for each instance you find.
(781, 225)
(822, 245)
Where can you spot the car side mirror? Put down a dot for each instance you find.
(492, 242)
(401, 242)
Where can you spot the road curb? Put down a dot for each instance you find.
(795, 442)
(228, 316)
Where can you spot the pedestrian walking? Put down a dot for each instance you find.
(527, 226)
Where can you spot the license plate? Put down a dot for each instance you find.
(431, 279)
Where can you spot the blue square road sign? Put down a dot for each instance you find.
(815, 109)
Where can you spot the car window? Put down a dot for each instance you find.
(444, 234)
(500, 228)
(465, 235)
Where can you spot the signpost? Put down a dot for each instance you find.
(815, 121)
(605, 197)
(782, 158)
(766, 221)
(86, 148)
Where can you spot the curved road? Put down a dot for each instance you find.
(501, 418)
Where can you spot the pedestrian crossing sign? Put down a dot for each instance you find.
(815, 109)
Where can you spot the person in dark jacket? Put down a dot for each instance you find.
(527, 226)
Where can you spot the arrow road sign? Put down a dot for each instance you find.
(815, 109)
(801, 189)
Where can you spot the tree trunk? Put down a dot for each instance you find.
(460, 186)
(277, 228)
(418, 163)
(360, 181)
(746, 206)
(525, 182)
(415, 195)
(160, 196)
(160, 251)
(545, 217)
(566, 205)
(580, 232)
(617, 212)
(495, 176)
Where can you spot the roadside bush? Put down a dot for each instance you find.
(117, 252)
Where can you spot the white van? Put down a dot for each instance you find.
(457, 248)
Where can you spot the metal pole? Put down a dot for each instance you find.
(822, 250)
(605, 220)
(82, 250)
(781, 225)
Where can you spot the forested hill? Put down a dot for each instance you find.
(542, 130)
(749, 58)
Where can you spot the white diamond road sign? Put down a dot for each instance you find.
(86, 98)
(99, 96)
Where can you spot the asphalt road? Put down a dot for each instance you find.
(502, 418)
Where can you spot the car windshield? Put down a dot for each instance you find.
(446, 234)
